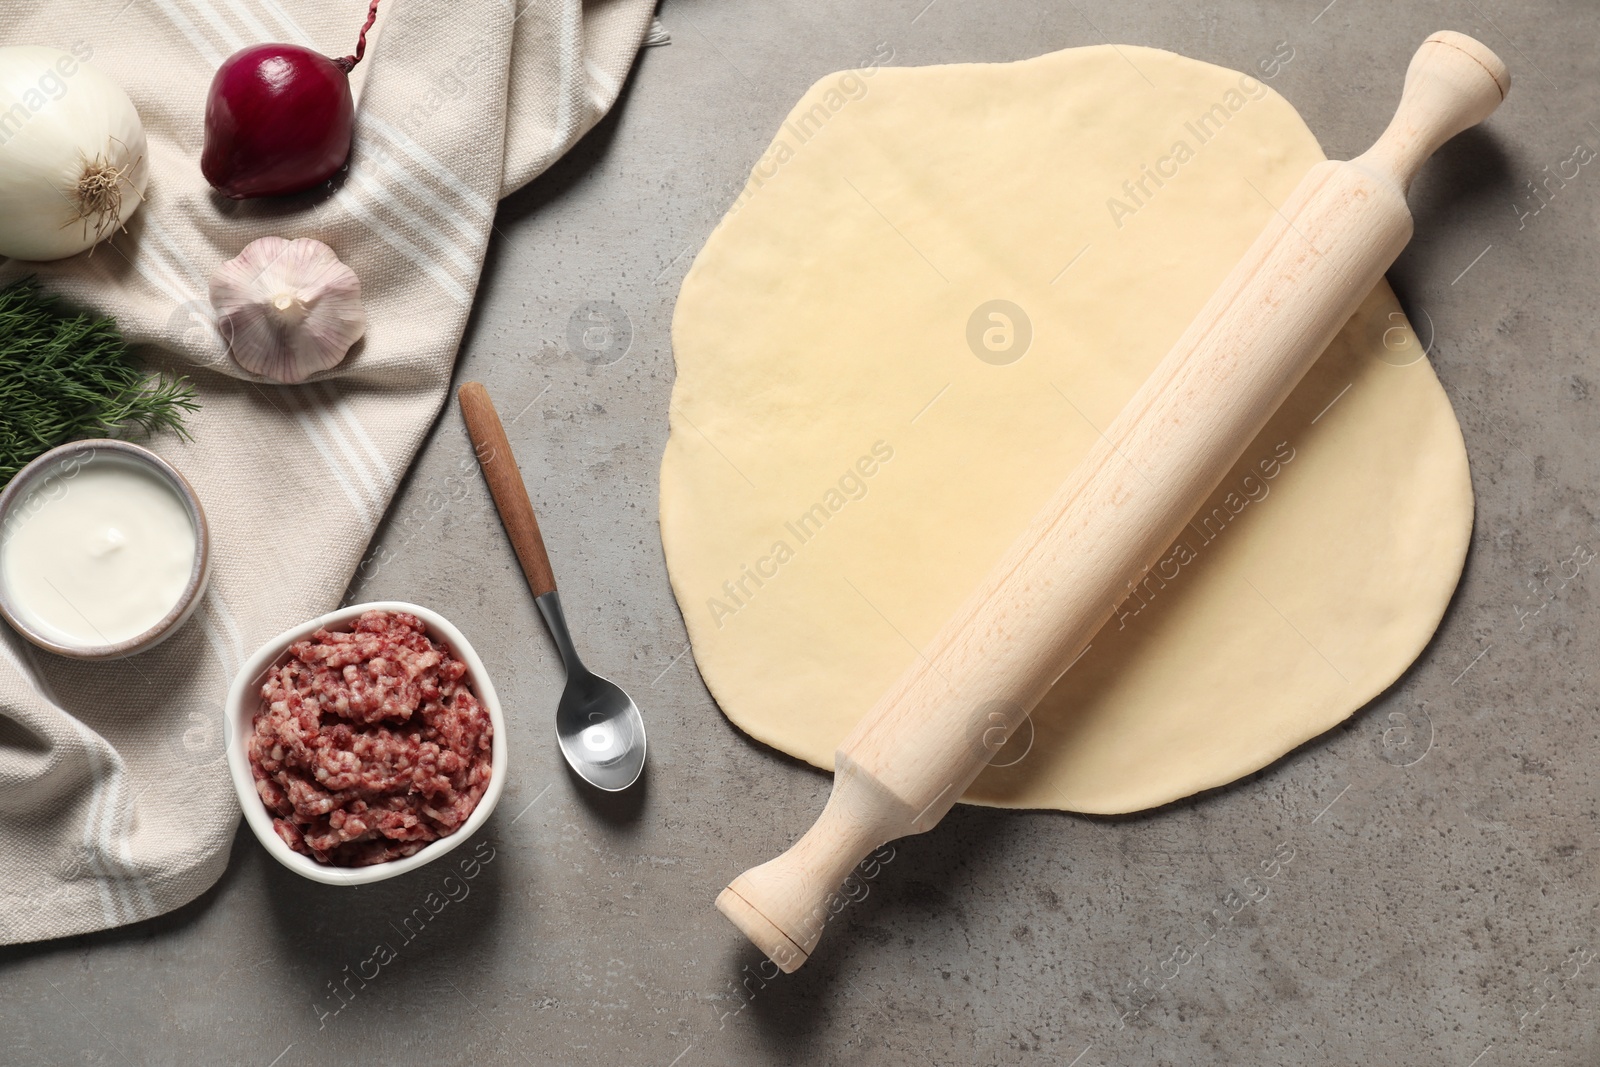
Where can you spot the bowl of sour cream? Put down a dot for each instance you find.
(104, 550)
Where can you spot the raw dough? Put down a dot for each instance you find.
(844, 467)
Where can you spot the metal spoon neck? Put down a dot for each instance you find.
(556, 620)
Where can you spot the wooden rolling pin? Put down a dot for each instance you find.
(923, 743)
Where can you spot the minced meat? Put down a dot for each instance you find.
(369, 744)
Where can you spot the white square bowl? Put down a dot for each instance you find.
(244, 701)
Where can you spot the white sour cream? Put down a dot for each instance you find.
(97, 554)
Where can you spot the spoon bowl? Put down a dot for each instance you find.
(598, 725)
(601, 732)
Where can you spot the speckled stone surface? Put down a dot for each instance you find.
(1416, 887)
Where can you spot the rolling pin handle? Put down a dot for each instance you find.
(783, 905)
(1453, 82)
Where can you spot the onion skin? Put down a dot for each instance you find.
(279, 119)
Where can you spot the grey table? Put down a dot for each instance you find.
(1433, 900)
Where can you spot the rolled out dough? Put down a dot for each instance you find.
(938, 282)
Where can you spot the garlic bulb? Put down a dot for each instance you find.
(73, 158)
(287, 308)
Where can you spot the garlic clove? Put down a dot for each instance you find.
(287, 309)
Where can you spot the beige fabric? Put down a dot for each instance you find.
(115, 801)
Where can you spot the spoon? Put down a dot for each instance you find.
(597, 724)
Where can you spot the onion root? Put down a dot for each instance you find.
(99, 195)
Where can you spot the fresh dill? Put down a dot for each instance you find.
(65, 375)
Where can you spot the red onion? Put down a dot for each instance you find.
(279, 118)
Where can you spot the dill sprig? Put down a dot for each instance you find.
(65, 375)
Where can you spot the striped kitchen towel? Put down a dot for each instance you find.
(115, 800)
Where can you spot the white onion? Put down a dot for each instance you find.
(73, 157)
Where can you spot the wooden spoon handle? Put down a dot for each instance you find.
(506, 486)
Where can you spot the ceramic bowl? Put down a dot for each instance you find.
(54, 471)
(244, 700)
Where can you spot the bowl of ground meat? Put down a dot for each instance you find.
(365, 743)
